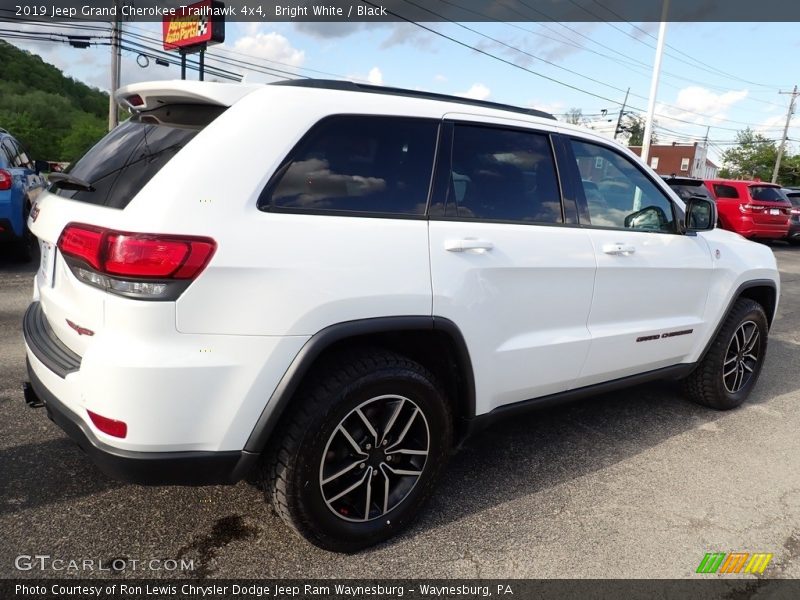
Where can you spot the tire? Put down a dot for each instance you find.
(308, 469)
(23, 247)
(793, 241)
(712, 383)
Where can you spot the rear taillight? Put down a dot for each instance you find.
(6, 181)
(796, 211)
(139, 265)
(745, 208)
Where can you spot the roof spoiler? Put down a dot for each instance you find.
(139, 97)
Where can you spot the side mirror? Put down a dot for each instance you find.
(701, 214)
(652, 217)
(41, 166)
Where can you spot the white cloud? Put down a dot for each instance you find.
(270, 46)
(478, 91)
(553, 108)
(375, 77)
(439, 77)
(700, 105)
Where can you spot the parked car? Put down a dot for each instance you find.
(20, 183)
(793, 194)
(753, 209)
(388, 272)
(688, 187)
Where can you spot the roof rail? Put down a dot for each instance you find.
(351, 86)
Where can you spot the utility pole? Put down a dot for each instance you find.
(651, 103)
(617, 131)
(785, 133)
(115, 68)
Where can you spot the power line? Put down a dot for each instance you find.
(513, 64)
(679, 51)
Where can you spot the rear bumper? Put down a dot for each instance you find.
(146, 468)
(749, 229)
(12, 226)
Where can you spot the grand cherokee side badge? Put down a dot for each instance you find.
(661, 336)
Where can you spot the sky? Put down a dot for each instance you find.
(722, 76)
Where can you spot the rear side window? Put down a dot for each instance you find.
(687, 191)
(6, 154)
(503, 175)
(358, 164)
(725, 191)
(120, 164)
(767, 193)
(21, 159)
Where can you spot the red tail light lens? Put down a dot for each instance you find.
(153, 257)
(139, 265)
(6, 180)
(109, 426)
(83, 243)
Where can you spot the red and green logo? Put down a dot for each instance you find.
(734, 562)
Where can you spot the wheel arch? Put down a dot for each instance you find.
(763, 291)
(435, 342)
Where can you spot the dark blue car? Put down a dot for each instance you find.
(20, 183)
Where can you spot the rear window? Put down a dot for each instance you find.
(120, 164)
(767, 193)
(686, 191)
(725, 191)
(358, 164)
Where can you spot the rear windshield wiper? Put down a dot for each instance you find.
(67, 180)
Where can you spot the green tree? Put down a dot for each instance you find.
(789, 173)
(55, 117)
(753, 157)
(84, 133)
(634, 125)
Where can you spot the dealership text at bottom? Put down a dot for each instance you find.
(273, 590)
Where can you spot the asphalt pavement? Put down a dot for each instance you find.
(634, 484)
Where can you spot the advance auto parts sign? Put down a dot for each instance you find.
(194, 26)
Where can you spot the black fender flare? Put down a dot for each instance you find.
(319, 342)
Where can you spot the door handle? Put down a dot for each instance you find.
(619, 249)
(467, 244)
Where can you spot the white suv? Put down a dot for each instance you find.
(336, 283)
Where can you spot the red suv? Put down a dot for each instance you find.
(753, 209)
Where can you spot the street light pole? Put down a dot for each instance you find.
(785, 132)
(115, 66)
(617, 130)
(651, 103)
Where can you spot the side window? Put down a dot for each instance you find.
(618, 194)
(503, 175)
(725, 191)
(360, 164)
(21, 156)
(7, 154)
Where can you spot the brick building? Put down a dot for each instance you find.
(685, 160)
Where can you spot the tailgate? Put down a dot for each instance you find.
(770, 213)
